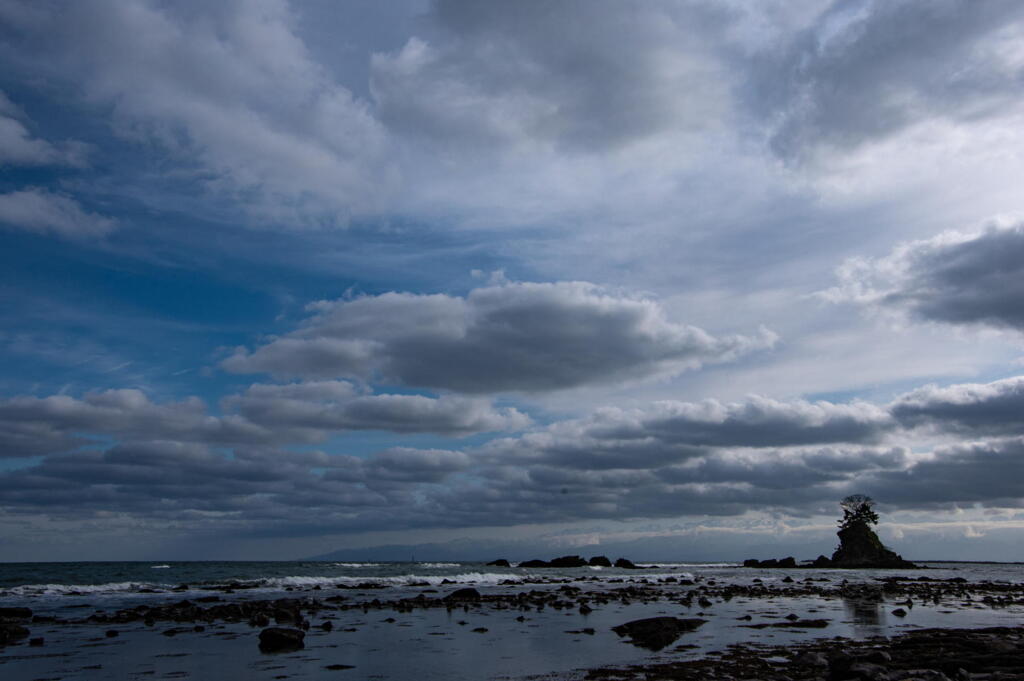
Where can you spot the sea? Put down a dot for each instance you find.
(426, 644)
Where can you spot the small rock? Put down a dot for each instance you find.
(467, 594)
(866, 670)
(654, 633)
(812, 660)
(280, 639)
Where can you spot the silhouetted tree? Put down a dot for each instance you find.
(857, 511)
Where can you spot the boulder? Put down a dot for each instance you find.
(15, 613)
(463, 595)
(9, 633)
(501, 562)
(787, 562)
(281, 640)
(568, 562)
(821, 562)
(599, 561)
(535, 564)
(625, 564)
(654, 633)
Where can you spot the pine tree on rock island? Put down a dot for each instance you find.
(857, 509)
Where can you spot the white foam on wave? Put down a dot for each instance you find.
(355, 565)
(440, 565)
(159, 567)
(65, 589)
(394, 580)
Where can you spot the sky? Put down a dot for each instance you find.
(279, 279)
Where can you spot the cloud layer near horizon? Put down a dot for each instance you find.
(671, 458)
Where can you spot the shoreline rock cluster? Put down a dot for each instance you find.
(570, 562)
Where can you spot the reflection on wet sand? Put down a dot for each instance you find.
(866, 614)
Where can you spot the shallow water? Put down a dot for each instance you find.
(434, 643)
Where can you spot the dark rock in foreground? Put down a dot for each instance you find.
(654, 633)
(281, 640)
(461, 595)
(15, 613)
(9, 633)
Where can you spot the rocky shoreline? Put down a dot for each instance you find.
(282, 624)
(991, 654)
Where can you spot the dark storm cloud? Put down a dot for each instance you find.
(60, 421)
(176, 478)
(989, 473)
(331, 406)
(670, 432)
(781, 469)
(757, 422)
(864, 70)
(514, 337)
(970, 409)
(954, 278)
(268, 414)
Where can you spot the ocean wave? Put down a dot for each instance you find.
(394, 580)
(440, 565)
(159, 567)
(70, 589)
(355, 565)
